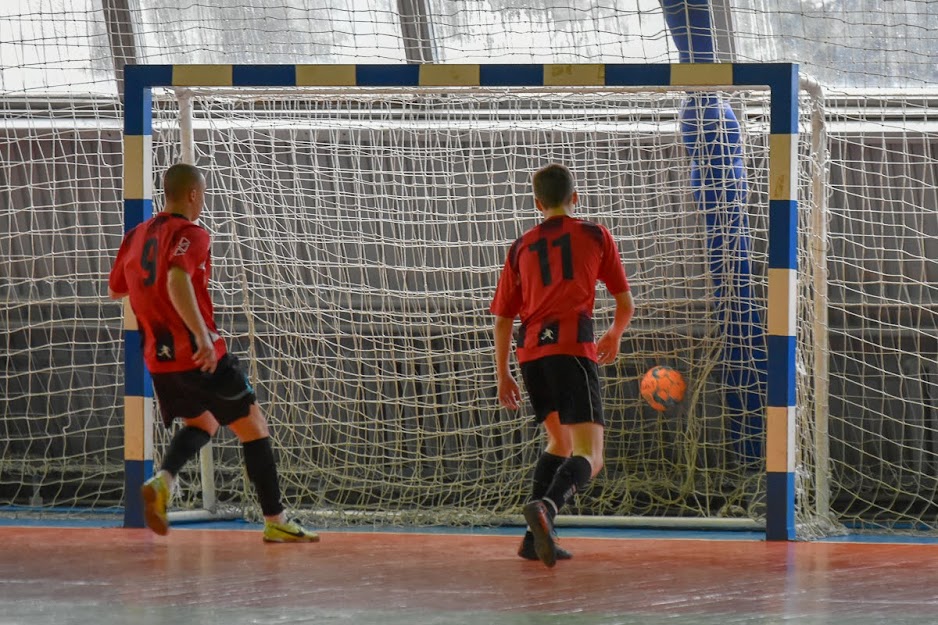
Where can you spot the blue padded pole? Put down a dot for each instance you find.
(690, 26)
(711, 134)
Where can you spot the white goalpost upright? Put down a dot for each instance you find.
(360, 214)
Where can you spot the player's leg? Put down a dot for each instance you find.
(537, 381)
(582, 466)
(580, 416)
(234, 404)
(259, 460)
(178, 399)
(261, 467)
(572, 476)
(559, 441)
(558, 449)
(185, 445)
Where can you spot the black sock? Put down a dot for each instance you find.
(262, 471)
(185, 444)
(572, 476)
(544, 472)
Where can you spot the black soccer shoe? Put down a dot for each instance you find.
(526, 550)
(535, 513)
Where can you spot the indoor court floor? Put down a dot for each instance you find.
(112, 576)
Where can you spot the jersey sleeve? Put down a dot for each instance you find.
(117, 281)
(507, 301)
(611, 271)
(189, 249)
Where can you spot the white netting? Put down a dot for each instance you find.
(295, 31)
(358, 238)
(63, 45)
(61, 389)
(60, 172)
(883, 265)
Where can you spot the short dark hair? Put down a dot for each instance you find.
(553, 185)
(179, 179)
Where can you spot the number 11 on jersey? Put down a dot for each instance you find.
(540, 247)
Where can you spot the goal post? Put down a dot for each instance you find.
(781, 293)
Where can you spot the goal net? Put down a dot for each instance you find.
(357, 239)
(62, 360)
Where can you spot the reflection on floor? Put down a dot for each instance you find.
(114, 576)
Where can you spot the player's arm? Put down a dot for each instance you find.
(505, 307)
(182, 264)
(607, 347)
(613, 275)
(508, 392)
(117, 282)
(182, 295)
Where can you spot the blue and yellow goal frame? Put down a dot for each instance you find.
(780, 78)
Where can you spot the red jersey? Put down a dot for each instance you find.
(549, 278)
(141, 269)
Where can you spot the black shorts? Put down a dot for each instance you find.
(567, 384)
(226, 393)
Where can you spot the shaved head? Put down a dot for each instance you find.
(179, 180)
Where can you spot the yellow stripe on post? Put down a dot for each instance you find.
(449, 76)
(783, 167)
(138, 428)
(202, 76)
(130, 319)
(706, 74)
(138, 156)
(325, 76)
(783, 298)
(583, 75)
(779, 439)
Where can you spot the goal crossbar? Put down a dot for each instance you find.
(781, 80)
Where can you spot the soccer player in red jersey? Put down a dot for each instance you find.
(164, 266)
(549, 279)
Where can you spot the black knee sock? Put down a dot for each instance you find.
(572, 476)
(544, 472)
(262, 471)
(185, 444)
